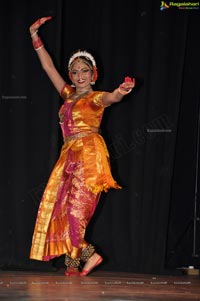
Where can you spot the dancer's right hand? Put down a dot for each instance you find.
(35, 26)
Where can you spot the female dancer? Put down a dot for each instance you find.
(82, 171)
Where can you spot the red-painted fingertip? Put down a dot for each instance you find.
(128, 79)
(49, 18)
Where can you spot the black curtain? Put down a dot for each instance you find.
(183, 236)
(131, 227)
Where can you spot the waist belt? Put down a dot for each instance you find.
(80, 135)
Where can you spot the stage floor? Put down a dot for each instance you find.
(99, 285)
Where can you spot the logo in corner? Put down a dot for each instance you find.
(164, 5)
(180, 5)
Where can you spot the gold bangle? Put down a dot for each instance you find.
(124, 92)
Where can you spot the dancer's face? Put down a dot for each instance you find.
(81, 74)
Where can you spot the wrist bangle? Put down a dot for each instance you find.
(33, 34)
(36, 49)
(37, 44)
(124, 92)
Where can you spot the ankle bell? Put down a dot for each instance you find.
(87, 253)
(72, 263)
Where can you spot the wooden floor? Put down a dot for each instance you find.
(99, 285)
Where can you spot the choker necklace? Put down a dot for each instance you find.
(77, 96)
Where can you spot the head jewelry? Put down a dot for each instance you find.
(85, 54)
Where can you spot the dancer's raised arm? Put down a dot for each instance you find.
(43, 55)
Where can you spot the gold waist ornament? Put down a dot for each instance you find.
(80, 135)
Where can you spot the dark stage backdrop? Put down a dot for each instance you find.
(151, 134)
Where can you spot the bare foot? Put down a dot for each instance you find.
(92, 262)
(72, 272)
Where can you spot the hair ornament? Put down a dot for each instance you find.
(85, 54)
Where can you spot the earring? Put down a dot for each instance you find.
(92, 83)
(72, 85)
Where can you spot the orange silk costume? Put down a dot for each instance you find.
(81, 173)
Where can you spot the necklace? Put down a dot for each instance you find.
(77, 96)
